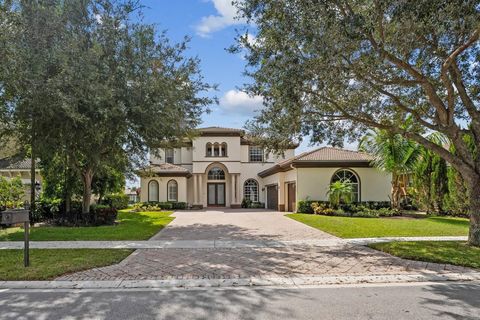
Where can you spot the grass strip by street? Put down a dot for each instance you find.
(131, 226)
(347, 227)
(449, 252)
(47, 264)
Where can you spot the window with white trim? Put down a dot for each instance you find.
(348, 176)
(250, 190)
(172, 190)
(169, 155)
(153, 190)
(255, 154)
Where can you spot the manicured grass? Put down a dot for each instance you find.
(451, 252)
(131, 226)
(47, 264)
(346, 227)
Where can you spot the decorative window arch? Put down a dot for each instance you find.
(172, 191)
(347, 175)
(250, 190)
(216, 174)
(223, 149)
(153, 192)
(208, 150)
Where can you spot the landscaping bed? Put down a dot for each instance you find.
(348, 227)
(450, 252)
(47, 264)
(129, 226)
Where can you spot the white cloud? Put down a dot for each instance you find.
(239, 102)
(226, 13)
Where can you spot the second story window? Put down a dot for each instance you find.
(216, 149)
(255, 154)
(169, 155)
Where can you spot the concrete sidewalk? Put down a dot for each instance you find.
(288, 281)
(212, 244)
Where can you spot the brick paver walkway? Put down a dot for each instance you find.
(233, 263)
(164, 264)
(237, 225)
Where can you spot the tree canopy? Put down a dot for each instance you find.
(334, 69)
(92, 83)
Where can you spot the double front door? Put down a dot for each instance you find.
(216, 194)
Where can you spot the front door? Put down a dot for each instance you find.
(216, 194)
(291, 197)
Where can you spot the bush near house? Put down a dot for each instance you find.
(118, 201)
(158, 206)
(367, 209)
(247, 203)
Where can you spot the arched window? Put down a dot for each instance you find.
(153, 190)
(208, 152)
(172, 190)
(223, 149)
(345, 175)
(216, 174)
(250, 190)
(216, 150)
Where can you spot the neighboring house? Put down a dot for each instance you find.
(9, 170)
(132, 195)
(221, 167)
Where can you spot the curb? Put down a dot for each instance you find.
(244, 282)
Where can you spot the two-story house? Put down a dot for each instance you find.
(221, 167)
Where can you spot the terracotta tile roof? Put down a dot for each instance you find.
(321, 157)
(219, 130)
(334, 154)
(165, 169)
(25, 164)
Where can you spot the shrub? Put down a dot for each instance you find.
(47, 209)
(247, 203)
(305, 206)
(158, 206)
(116, 200)
(103, 214)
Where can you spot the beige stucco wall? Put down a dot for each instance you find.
(313, 183)
(162, 184)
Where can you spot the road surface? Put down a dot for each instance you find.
(401, 301)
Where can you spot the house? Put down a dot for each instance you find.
(132, 194)
(11, 169)
(220, 167)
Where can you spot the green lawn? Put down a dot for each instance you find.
(47, 264)
(451, 252)
(131, 226)
(346, 227)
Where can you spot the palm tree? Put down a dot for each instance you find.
(340, 191)
(395, 154)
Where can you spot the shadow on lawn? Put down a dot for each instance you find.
(454, 222)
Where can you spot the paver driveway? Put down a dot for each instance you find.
(232, 263)
(231, 224)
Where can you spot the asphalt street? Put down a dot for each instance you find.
(401, 301)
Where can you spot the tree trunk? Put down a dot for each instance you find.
(474, 235)
(395, 191)
(87, 176)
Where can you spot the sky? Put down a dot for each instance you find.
(212, 27)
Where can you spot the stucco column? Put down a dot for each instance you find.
(200, 189)
(234, 195)
(237, 183)
(195, 189)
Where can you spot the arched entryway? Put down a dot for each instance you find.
(216, 187)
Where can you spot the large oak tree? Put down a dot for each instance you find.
(333, 69)
(93, 83)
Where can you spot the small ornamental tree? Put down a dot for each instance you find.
(340, 192)
(334, 69)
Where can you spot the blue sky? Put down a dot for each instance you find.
(212, 28)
